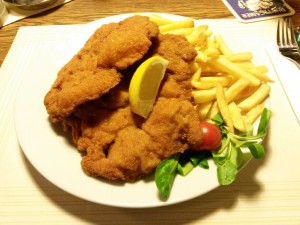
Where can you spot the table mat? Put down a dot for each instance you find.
(26, 197)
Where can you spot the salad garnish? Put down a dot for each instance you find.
(236, 149)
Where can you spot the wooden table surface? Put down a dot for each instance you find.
(84, 11)
(236, 204)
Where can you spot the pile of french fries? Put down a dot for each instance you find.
(224, 81)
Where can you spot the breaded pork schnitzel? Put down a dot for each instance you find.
(121, 145)
(116, 143)
(94, 70)
(179, 53)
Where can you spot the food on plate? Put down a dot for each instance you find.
(223, 107)
(95, 69)
(238, 148)
(122, 145)
(145, 83)
(203, 104)
(216, 63)
(180, 54)
(116, 143)
(229, 91)
(212, 138)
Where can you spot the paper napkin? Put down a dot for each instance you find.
(289, 76)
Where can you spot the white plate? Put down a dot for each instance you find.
(54, 156)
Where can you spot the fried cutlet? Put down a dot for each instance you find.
(120, 145)
(95, 69)
(180, 54)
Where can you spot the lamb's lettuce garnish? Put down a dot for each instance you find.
(236, 149)
(231, 157)
(181, 164)
(165, 174)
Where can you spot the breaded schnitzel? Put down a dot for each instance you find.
(177, 82)
(94, 70)
(120, 145)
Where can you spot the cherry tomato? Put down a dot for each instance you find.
(212, 138)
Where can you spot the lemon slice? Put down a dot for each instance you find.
(145, 83)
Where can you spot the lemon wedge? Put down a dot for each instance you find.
(145, 84)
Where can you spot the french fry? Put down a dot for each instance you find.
(257, 72)
(182, 31)
(257, 97)
(225, 65)
(196, 76)
(223, 107)
(203, 109)
(201, 57)
(208, 33)
(198, 36)
(212, 52)
(195, 66)
(204, 96)
(214, 110)
(261, 69)
(209, 69)
(239, 57)
(224, 81)
(205, 83)
(177, 25)
(159, 20)
(231, 94)
(235, 89)
(245, 65)
(236, 117)
(254, 113)
(223, 47)
(248, 91)
(211, 44)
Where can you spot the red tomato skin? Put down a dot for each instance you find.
(212, 137)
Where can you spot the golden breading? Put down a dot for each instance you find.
(115, 143)
(94, 70)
